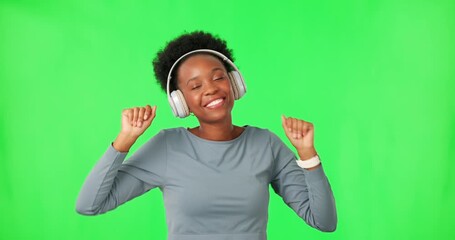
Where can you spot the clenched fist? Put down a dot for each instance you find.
(301, 135)
(137, 119)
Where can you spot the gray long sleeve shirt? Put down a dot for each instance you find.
(217, 190)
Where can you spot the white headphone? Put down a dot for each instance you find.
(176, 99)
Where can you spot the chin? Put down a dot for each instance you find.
(215, 117)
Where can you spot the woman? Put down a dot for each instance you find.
(214, 177)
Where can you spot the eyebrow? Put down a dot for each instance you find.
(194, 78)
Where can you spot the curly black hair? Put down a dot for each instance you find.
(185, 43)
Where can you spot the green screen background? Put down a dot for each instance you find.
(376, 78)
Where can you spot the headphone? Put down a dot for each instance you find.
(176, 99)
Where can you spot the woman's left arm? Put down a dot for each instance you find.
(306, 191)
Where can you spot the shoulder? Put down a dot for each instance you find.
(171, 133)
(160, 139)
(174, 136)
(172, 130)
(266, 136)
(263, 136)
(279, 151)
(261, 133)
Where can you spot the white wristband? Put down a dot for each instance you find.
(312, 162)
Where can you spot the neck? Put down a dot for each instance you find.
(219, 131)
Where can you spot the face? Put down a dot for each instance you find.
(205, 84)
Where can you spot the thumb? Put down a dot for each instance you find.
(284, 124)
(152, 114)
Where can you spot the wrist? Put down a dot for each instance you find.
(307, 153)
(123, 142)
(310, 164)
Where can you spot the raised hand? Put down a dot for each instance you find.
(137, 119)
(301, 135)
(134, 123)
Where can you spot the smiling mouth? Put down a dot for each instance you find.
(215, 103)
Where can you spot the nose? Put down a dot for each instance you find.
(211, 88)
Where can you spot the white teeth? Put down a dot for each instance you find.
(213, 103)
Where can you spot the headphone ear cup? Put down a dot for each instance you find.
(237, 84)
(178, 104)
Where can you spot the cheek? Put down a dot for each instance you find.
(191, 99)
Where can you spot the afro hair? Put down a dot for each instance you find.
(185, 43)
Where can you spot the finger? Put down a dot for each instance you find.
(153, 112)
(297, 128)
(135, 116)
(129, 114)
(148, 112)
(151, 115)
(309, 127)
(300, 124)
(283, 122)
(289, 127)
(140, 117)
(294, 127)
(288, 124)
(305, 128)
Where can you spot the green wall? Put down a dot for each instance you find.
(376, 78)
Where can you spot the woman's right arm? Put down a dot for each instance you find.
(106, 187)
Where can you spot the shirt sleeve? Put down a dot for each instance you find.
(113, 182)
(308, 193)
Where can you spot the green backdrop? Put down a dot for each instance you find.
(376, 78)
